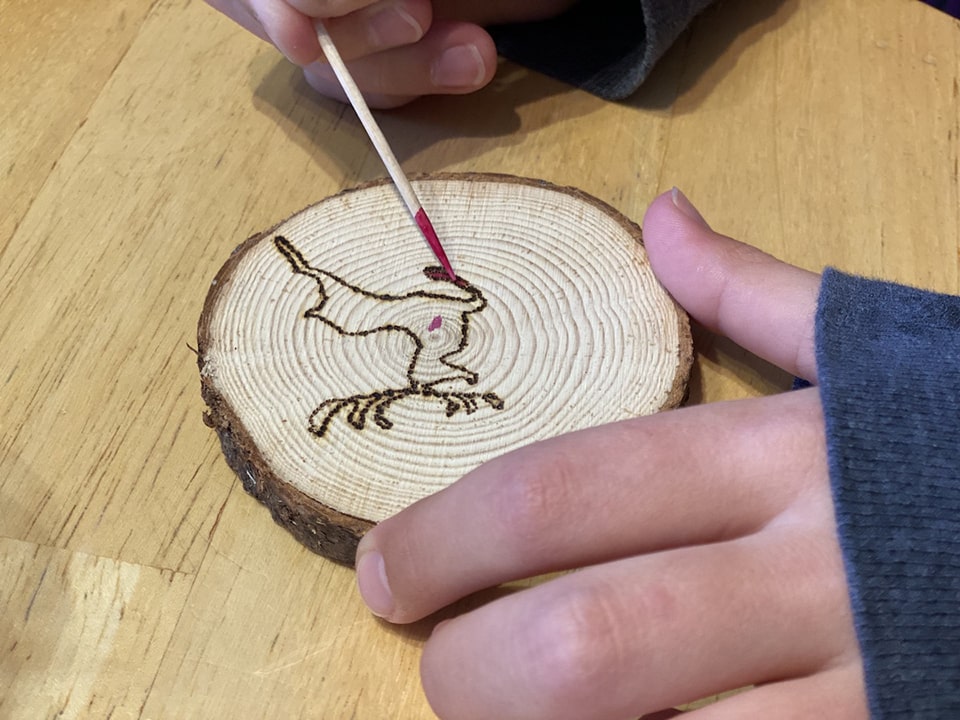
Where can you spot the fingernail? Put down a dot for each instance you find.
(460, 66)
(373, 585)
(392, 27)
(686, 207)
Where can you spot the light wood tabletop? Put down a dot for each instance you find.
(141, 142)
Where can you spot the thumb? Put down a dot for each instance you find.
(763, 304)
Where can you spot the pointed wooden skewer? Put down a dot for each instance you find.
(382, 146)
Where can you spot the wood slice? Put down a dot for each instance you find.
(347, 376)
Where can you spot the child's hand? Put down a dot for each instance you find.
(396, 49)
(707, 535)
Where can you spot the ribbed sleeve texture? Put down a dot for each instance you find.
(889, 369)
(606, 47)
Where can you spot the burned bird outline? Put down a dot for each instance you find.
(430, 365)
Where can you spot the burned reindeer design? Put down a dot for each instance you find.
(430, 370)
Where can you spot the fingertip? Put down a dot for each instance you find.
(429, 679)
(452, 59)
(391, 577)
(291, 32)
(678, 242)
(660, 210)
(670, 218)
(373, 584)
(466, 60)
(683, 204)
(393, 28)
(732, 288)
(451, 654)
(457, 67)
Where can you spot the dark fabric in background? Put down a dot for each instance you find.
(606, 47)
(609, 47)
(948, 6)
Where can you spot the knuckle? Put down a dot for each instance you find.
(577, 639)
(595, 637)
(533, 499)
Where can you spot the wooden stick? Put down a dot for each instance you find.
(382, 146)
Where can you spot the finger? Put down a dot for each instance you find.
(644, 633)
(837, 693)
(329, 8)
(332, 89)
(695, 475)
(238, 11)
(289, 29)
(375, 27)
(452, 58)
(380, 26)
(765, 305)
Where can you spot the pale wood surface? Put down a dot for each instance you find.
(345, 385)
(139, 143)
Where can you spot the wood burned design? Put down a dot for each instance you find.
(355, 312)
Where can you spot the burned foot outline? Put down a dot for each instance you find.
(360, 408)
(355, 312)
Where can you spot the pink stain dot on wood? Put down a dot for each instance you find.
(435, 323)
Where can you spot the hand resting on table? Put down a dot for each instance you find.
(707, 537)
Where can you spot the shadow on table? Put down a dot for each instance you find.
(330, 131)
(755, 375)
(708, 50)
(419, 631)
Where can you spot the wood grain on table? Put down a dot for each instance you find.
(141, 142)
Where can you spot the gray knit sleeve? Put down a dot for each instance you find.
(888, 361)
(606, 47)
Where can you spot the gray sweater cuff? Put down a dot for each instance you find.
(888, 360)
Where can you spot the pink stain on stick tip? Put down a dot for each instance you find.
(435, 323)
(426, 227)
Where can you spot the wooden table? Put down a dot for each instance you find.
(140, 142)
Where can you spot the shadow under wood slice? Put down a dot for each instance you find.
(348, 376)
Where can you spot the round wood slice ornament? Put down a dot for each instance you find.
(348, 376)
